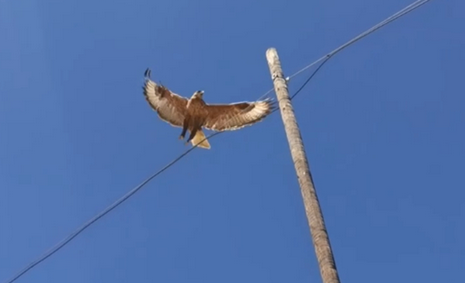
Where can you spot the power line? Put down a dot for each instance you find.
(61, 244)
(379, 25)
(65, 241)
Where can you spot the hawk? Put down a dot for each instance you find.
(193, 114)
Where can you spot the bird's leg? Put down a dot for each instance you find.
(192, 135)
(184, 129)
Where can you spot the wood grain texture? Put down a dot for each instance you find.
(318, 231)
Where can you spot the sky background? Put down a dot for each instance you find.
(382, 124)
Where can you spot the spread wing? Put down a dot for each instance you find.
(228, 117)
(169, 106)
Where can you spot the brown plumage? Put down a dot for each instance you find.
(194, 114)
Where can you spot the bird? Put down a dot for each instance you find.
(194, 114)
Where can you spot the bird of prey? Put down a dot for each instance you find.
(193, 114)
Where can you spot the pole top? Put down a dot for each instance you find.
(272, 56)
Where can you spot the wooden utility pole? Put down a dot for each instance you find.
(320, 238)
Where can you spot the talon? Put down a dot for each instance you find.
(181, 137)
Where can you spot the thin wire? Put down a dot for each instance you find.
(305, 83)
(309, 78)
(381, 24)
(65, 241)
(60, 245)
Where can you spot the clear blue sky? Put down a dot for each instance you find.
(382, 124)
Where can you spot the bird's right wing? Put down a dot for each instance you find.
(169, 106)
(228, 117)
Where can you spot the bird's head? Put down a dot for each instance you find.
(198, 94)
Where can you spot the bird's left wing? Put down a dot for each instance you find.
(228, 117)
(169, 106)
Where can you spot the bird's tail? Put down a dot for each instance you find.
(201, 139)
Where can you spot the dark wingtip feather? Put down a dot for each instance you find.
(272, 103)
(147, 73)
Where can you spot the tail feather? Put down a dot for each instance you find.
(200, 137)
